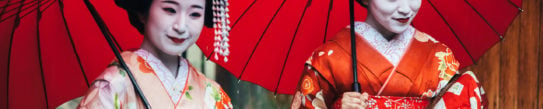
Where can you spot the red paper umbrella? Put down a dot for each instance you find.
(51, 50)
(270, 40)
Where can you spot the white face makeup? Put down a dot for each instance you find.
(174, 25)
(394, 15)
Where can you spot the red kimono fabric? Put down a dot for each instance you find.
(426, 67)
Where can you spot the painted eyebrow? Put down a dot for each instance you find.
(170, 2)
(197, 6)
(175, 3)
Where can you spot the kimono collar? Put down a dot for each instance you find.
(173, 84)
(392, 50)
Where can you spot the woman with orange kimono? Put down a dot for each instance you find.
(166, 79)
(398, 66)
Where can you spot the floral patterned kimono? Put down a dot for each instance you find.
(405, 72)
(189, 89)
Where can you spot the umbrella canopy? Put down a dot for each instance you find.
(51, 50)
(271, 39)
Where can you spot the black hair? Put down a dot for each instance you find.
(361, 2)
(135, 8)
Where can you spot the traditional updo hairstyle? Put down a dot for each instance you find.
(134, 8)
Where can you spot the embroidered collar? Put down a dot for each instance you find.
(392, 50)
(173, 85)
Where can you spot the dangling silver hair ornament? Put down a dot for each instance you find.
(221, 26)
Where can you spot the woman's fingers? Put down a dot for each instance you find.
(354, 100)
(351, 106)
(364, 98)
(352, 94)
(351, 100)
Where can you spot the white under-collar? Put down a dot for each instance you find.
(174, 85)
(392, 50)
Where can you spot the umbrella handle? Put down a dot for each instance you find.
(108, 36)
(356, 85)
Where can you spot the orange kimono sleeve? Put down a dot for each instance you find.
(465, 93)
(109, 90)
(313, 91)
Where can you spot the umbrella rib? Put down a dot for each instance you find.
(114, 40)
(39, 54)
(22, 5)
(243, 14)
(61, 5)
(233, 25)
(330, 5)
(24, 9)
(48, 5)
(484, 19)
(16, 9)
(11, 4)
(9, 52)
(27, 13)
(4, 8)
(260, 39)
(454, 33)
(518, 7)
(291, 43)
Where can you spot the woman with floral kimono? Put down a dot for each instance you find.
(166, 79)
(398, 66)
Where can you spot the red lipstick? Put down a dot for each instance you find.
(402, 20)
(177, 40)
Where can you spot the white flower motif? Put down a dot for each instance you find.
(308, 61)
(208, 98)
(318, 102)
(482, 91)
(132, 105)
(431, 38)
(428, 93)
(388, 103)
(456, 89)
(473, 102)
(440, 105)
(321, 53)
(371, 102)
(477, 92)
(405, 105)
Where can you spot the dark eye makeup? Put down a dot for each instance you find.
(195, 14)
(169, 10)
